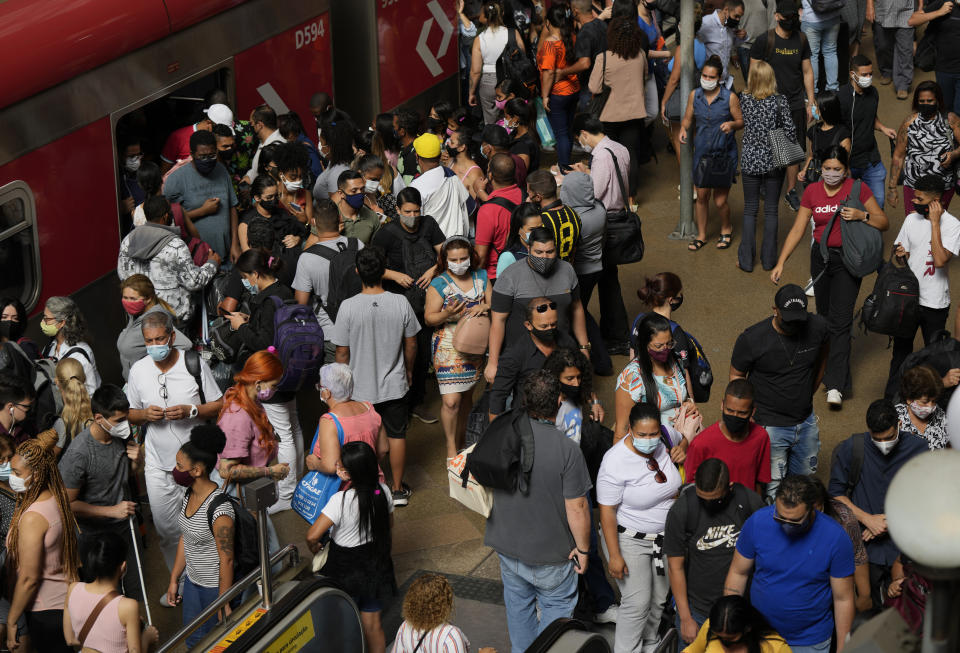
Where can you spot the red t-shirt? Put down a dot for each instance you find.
(823, 207)
(749, 461)
(493, 225)
(177, 146)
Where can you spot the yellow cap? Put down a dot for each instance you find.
(427, 146)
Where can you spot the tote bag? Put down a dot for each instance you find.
(544, 130)
(784, 146)
(471, 494)
(316, 488)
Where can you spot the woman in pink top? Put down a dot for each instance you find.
(42, 548)
(359, 420)
(116, 629)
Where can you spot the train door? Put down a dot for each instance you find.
(19, 252)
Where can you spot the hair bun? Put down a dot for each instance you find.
(209, 438)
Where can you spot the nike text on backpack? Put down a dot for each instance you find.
(503, 458)
(893, 307)
(298, 341)
(343, 280)
(246, 552)
(861, 245)
(514, 63)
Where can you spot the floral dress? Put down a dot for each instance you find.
(671, 389)
(936, 432)
(456, 372)
(760, 117)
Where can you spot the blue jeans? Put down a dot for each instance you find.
(823, 40)
(553, 587)
(950, 85)
(195, 599)
(873, 176)
(822, 647)
(699, 618)
(743, 54)
(597, 584)
(793, 450)
(562, 108)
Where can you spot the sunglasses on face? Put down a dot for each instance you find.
(543, 308)
(783, 520)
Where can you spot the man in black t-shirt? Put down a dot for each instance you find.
(591, 42)
(785, 357)
(699, 540)
(789, 56)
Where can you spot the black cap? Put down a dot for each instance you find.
(791, 301)
(787, 7)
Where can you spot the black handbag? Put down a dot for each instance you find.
(599, 101)
(716, 168)
(623, 242)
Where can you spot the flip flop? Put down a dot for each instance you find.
(724, 241)
(695, 245)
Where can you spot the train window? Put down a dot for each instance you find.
(19, 254)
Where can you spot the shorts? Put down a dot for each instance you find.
(394, 416)
(5, 611)
(365, 604)
(799, 117)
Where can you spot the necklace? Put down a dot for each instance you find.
(786, 352)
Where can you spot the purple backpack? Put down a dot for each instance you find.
(298, 343)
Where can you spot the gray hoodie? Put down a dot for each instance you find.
(146, 241)
(577, 193)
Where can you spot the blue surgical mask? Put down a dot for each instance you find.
(5, 471)
(158, 352)
(249, 287)
(646, 445)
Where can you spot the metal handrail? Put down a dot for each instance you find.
(235, 590)
(669, 641)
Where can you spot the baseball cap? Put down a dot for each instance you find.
(787, 7)
(427, 146)
(791, 301)
(220, 114)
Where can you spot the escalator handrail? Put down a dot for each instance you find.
(289, 551)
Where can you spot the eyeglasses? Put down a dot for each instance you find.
(24, 407)
(162, 380)
(654, 466)
(48, 320)
(783, 520)
(543, 308)
(206, 157)
(663, 345)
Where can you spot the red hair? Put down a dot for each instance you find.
(261, 366)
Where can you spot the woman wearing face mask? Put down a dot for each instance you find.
(520, 120)
(671, 104)
(291, 128)
(663, 294)
(138, 298)
(657, 367)
(64, 324)
(41, 549)
(258, 271)
(717, 114)
(461, 151)
(293, 175)
(380, 185)
(928, 143)
(508, 90)
(205, 552)
(487, 48)
(636, 486)
(266, 195)
(825, 135)
(920, 388)
(835, 289)
(559, 92)
(735, 626)
(523, 220)
(13, 322)
(460, 291)
(336, 147)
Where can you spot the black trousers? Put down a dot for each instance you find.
(880, 576)
(46, 631)
(931, 320)
(599, 357)
(836, 294)
(418, 389)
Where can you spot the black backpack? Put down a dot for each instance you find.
(503, 458)
(513, 63)
(417, 256)
(893, 307)
(694, 360)
(343, 280)
(246, 550)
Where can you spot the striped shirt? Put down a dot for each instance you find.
(445, 638)
(199, 545)
(565, 225)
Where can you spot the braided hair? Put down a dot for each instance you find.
(45, 476)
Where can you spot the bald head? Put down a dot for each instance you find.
(320, 103)
(503, 170)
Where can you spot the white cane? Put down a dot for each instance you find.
(136, 552)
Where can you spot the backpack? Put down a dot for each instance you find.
(417, 257)
(40, 374)
(298, 340)
(893, 308)
(694, 360)
(343, 281)
(246, 549)
(513, 63)
(862, 245)
(503, 458)
(199, 250)
(859, 443)
(502, 202)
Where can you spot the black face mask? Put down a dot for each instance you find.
(789, 24)
(676, 303)
(452, 152)
(715, 506)
(570, 392)
(547, 336)
(270, 205)
(11, 330)
(927, 110)
(205, 166)
(732, 23)
(226, 155)
(922, 209)
(735, 424)
(788, 328)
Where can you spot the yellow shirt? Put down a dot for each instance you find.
(772, 644)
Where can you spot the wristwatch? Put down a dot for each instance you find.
(194, 411)
(585, 347)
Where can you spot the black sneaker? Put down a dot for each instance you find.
(402, 496)
(792, 199)
(618, 348)
(424, 415)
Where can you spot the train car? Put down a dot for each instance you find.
(73, 72)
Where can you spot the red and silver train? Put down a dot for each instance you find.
(71, 71)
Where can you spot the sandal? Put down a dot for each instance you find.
(695, 245)
(724, 241)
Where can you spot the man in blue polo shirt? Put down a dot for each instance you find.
(802, 564)
(881, 454)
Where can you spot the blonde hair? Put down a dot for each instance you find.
(76, 402)
(761, 82)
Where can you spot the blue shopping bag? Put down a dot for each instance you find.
(316, 488)
(544, 130)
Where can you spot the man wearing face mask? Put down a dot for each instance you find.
(96, 469)
(528, 353)
(699, 540)
(796, 598)
(863, 467)
(742, 444)
(129, 156)
(16, 399)
(166, 396)
(785, 357)
(494, 140)
(177, 147)
(928, 240)
(264, 122)
(493, 217)
(205, 191)
(406, 127)
(443, 195)
(356, 218)
(721, 33)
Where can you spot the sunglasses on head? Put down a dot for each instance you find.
(543, 308)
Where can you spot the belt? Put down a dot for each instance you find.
(656, 538)
(636, 534)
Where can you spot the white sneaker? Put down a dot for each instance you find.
(835, 398)
(809, 287)
(608, 616)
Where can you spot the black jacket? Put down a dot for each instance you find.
(517, 361)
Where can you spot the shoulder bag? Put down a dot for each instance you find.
(623, 242)
(316, 488)
(784, 146)
(599, 101)
(716, 168)
(472, 334)
(468, 491)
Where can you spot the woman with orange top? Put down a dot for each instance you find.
(559, 92)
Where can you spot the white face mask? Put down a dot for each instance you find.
(459, 268)
(293, 186)
(120, 430)
(17, 484)
(586, 148)
(708, 84)
(864, 82)
(833, 177)
(922, 412)
(887, 446)
(132, 164)
(371, 186)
